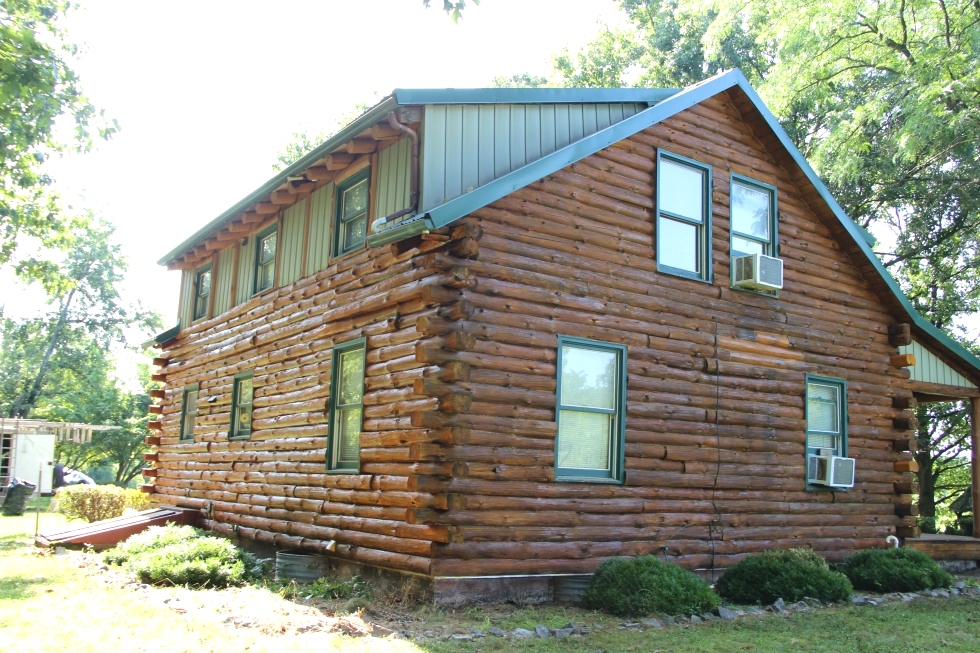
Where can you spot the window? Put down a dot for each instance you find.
(265, 259)
(753, 217)
(683, 217)
(826, 415)
(591, 409)
(202, 292)
(346, 406)
(241, 406)
(188, 412)
(350, 225)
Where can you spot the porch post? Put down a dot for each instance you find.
(975, 437)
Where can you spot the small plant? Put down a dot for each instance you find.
(182, 555)
(136, 500)
(634, 587)
(894, 570)
(91, 502)
(789, 574)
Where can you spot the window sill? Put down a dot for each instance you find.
(588, 479)
(683, 274)
(343, 471)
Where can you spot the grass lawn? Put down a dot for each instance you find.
(70, 603)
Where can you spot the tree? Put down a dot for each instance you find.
(943, 456)
(453, 8)
(37, 88)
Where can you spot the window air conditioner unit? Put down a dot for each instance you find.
(834, 471)
(758, 272)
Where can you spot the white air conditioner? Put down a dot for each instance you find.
(758, 272)
(834, 471)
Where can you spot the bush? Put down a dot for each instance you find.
(780, 573)
(894, 570)
(182, 555)
(137, 500)
(634, 587)
(91, 502)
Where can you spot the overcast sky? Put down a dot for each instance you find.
(206, 94)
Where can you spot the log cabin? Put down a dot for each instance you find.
(494, 337)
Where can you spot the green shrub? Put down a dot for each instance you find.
(780, 573)
(633, 587)
(91, 502)
(182, 555)
(894, 570)
(136, 499)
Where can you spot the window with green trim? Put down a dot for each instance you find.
(683, 216)
(826, 415)
(241, 406)
(591, 410)
(346, 407)
(351, 218)
(188, 412)
(265, 259)
(202, 292)
(753, 217)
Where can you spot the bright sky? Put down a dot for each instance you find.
(206, 94)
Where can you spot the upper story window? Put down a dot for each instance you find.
(346, 406)
(265, 259)
(188, 412)
(753, 217)
(683, 217)
(350, 224)
(202, 292)
(241, 406)
(591, 410)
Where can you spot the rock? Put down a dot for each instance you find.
(754, 609)
(652, 623)
(779, 605)
(726, 613)
(570, 624)
(461, 637)
(670, 621)
(954, 592)
(430, 633)
(707, 616)
(476, 632)
(497, 632)
(800, 605)
(60, 551)
(581, 630)
(695, 619)
(956, 586)
(523, 633)
(859, 600)
(874, 602)
(542, 631)
(812, 602)
(561, 633)
(630, 624)
(942, 593)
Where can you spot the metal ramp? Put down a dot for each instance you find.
(109, 532)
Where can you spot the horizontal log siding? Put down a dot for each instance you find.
(273, 487)
(715, 420)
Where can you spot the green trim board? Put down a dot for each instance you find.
(203, 281)
(264, 265)
(590, 445)
(188, 418)
(351, 213)
(242, 393)
(345, 408)
(407, 96)
(821, 391)
(683, 219)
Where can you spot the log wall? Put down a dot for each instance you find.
(715, 428)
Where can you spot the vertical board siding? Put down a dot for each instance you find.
(221, 281)
(318, 247)
(929, 368)
(394, 178)
(185, 311)
(291, 243)
(468, 146)
(246, 270)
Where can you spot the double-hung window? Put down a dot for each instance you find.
(346, 407)
(591, 410)
(826, 416)
(241, 406)
(683, 217)
(350, 224)
(753, 217)
(188, 412)
(265, 259)
(202, 292)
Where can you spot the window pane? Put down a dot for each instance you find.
(822, 408)
(583, 440)
(204, 283)
(744, 246)
(681, 190)
(267, 248)
(750, 211)
(351, 377)
(354, 232)
(678, 245)
(266, 274)
(348, 435)
(355, 199)
(190, 413)
(588, 378)
(244, 391)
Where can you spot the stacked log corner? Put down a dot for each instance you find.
(274, 487)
